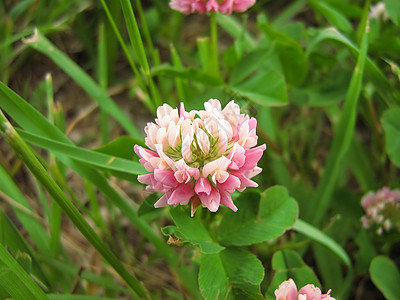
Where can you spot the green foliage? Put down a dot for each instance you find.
(391, 124)
(259, 218)
(288, 264)
(320, 77)
(385, 276)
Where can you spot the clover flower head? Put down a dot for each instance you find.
(382, 210)
(225, 7)
(200, 156)
(288, 291)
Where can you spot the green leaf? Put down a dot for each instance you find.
(75, 297)
(380, 81)
(320, 237)
(15, 280)
(332, 15)
(265, 88)
(393, 9)
(249, 64)
(233, 271)
(391, 124)
(90, 157)
(236, 30)
(15, 242)
(288, 264)
(193, 231)
(385, 276)
(188, 73)
(290, 53)
(147, 210)
(342, 138)
(24, 212)
(39, 42)
(259, 217)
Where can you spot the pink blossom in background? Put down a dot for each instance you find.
(204, 6)
(200, 156)
(382, 210)
(288, 291)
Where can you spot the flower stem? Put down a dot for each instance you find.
(214, 43)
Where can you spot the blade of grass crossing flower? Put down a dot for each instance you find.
(39, 42)
(320, 237)
(137, 44)
(29, 158)
(104, 161)
(15, 280)
(342, 138)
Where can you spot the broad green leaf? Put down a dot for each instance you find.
(15, 280)
(320, 237)
(393, 9)
(188, 73)
(234, 272)
(332, 15)
(259, 217)
(386, 277)
(248, 64)
(290, 53)
(391, 124)
(89, 157)
(324, 92)
(288, 264)
(213, 281)
(39, 42)
(121, 147)
(265, 88)
(193, 231)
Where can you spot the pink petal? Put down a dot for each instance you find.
(221, 163)
(252, 157)
(287, 291)
(242, 5)
(211, 201)
(226, 200)
(202, 186)
(181, 195)
(312, 292)
(230, 185)
(163, 201)
(165, 177)
(203, 141)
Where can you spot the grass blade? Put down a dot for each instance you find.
(29, 158)
(320, 237)
(39, 42)
(15, 280)
(342, 138)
